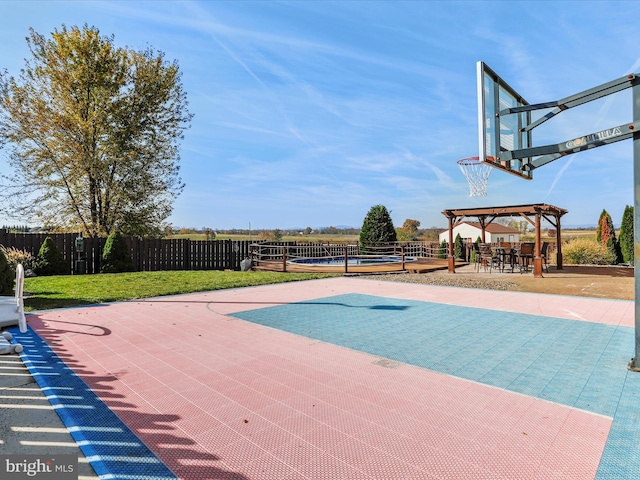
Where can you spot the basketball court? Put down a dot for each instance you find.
(352, 378)
(345, 378)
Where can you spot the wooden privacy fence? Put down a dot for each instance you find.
(147, 254)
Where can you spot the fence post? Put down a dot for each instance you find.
(284, 259)
(402, 253)
(346, 259)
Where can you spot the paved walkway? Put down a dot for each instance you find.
(346, 378)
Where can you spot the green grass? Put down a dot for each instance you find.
(45, 293)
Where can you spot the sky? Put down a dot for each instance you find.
(308, 113)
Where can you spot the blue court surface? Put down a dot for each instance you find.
(570, 362)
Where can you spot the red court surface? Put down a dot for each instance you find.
(218, 397)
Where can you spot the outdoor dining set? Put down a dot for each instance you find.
(507, 256)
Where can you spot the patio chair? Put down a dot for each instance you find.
(525, 256)
(487, 258)
(544, 252)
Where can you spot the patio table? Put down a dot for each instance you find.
(507, 254)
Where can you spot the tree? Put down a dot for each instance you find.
(377, 227)
(50, 260)
(6, 276)
(409, 230)
(521, 225)
(626, 235)
(444, 249)
(115, 256)
(603, 215)
(606, 234)
(93, 131)
(209, 234)
(458, 248)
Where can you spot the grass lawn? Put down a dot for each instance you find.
(45, 293)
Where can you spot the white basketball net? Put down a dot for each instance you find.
(477, 174)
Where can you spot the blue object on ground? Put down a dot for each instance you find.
(113, 450)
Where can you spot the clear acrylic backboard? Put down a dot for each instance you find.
(499, 131)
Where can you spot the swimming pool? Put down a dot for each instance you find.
(353, 260)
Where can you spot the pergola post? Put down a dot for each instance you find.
(537, 260)
(558, 244)
(451, 259)
(482, 220)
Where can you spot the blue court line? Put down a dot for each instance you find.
(575, 363)
(113, 450)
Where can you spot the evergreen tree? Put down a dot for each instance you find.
(458, 248)
(6, 276)
(599, 229)
(444, 248)
(115, 256)
(606, 234)
(50, 260)
(377, 227)
(626, 235)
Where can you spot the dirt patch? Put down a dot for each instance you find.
(585, 281)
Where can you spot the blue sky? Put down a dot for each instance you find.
(308, 113)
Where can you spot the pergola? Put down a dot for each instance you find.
(533, 213)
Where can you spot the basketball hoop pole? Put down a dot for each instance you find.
(494, 94)
(635, 361)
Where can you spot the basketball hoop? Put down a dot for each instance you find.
(477, 173)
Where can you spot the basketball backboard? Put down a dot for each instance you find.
(499, 131)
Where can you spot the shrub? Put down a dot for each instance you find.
(115, 256)
(7, 274)
(15, 256)
(458, 248)
(49, 260)
(443, 249)
(582, 251)
(614, 249)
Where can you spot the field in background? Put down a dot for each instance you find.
(317, 238)
(567, 234)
